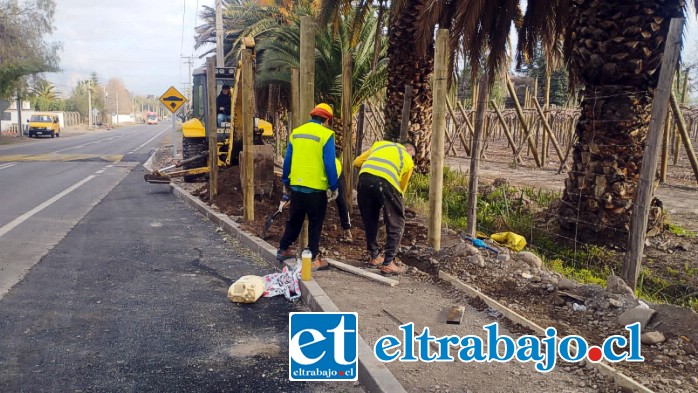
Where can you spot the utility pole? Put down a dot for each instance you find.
(19, 114)
(89, 103)
(117, 106)
(220, 62)
(188, 93)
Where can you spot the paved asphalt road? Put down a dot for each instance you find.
(127, 293)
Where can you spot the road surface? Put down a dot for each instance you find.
(118, 286)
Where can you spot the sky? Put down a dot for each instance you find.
(142, 41)
(139, 41)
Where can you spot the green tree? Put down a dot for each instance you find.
(23, 47)
(281, 52)
(245, 18)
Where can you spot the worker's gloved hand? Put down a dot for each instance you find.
(332, 195)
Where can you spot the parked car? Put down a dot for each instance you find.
(44, 124)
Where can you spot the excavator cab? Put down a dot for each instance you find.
(229, 135)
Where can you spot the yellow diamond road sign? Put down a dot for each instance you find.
(172, 99)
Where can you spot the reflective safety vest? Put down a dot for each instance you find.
(307, 167)
(338, 164)
(388, 160)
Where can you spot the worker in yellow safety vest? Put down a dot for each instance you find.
(310, 176)
(385, 171)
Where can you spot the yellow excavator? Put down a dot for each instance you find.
(194, 162)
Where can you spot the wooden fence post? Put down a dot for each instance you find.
(648, 169)
(436, 172)
(685, 138)
(483, 92)
(347, 154)
(524, 126)
(406, 106)
(307, 89)
(547, 129)
(505, 128)
(211, 128)
(247, 131)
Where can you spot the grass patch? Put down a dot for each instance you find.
(680, 231)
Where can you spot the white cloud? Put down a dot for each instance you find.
(139, 41)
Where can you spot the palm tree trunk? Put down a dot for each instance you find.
(408, 67)
(616, 53)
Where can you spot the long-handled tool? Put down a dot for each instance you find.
(160, 176)
(270, 219)
(480, 244)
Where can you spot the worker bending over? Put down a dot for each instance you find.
(386, 169)
(311, 174)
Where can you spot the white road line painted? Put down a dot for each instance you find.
(24, 217)
(10, 164)
(151, 139)
(109, 166)
(100, 171)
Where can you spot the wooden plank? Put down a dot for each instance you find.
(648, 168)
(362, 272)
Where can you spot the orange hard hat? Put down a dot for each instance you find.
(323, 110)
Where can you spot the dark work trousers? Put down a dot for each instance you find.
(342, 205)
(313, 205)
(373, 193)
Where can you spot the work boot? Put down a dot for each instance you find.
(346, 236)
(320, 264)
(375, 263)
(392, 269)
(282, 255)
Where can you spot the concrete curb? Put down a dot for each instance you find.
(374, 376)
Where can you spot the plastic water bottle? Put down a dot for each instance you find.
(306, 265)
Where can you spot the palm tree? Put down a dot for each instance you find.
(44, 89)
(242, 19)
(613, 50)
(280, 52)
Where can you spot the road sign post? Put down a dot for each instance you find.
(173, 100)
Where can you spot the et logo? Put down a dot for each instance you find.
(323, 346)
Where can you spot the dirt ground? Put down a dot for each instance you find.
(534, 292)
